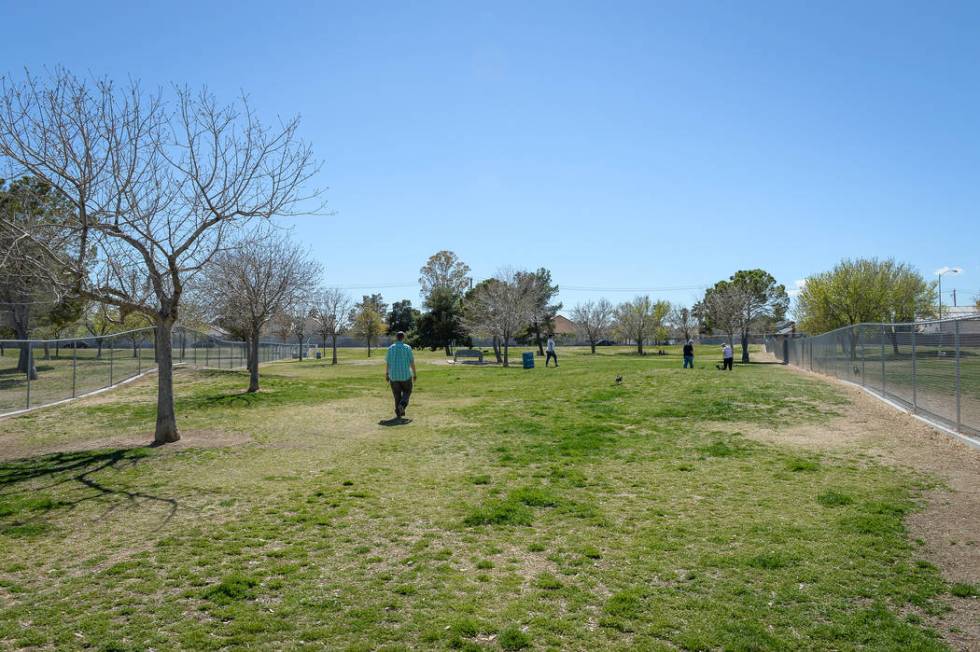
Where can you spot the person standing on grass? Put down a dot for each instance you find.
(400, 372)
(551, 351)
(727, 357)
(689, 355)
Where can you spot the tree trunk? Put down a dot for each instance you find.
(22, 362)
(166, 430)
(334, 359)
(893, 336)
(537, 339)
(135, 353)
(506, 353)
(300, 347)
(47, 351)
(496, 349)
(639, 345)
(852, 336)
(745, 348)
(592, 344)
(98, 353)
(448, 352)
(253, 363)
(369, 346)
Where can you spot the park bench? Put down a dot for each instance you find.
(468, 353)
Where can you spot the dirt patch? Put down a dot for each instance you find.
(949, 524)
(188, 439)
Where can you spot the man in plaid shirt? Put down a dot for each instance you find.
(400, 372)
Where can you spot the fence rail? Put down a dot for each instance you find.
(34, 373)
(931, 368)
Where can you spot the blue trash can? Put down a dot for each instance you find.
(528, 359)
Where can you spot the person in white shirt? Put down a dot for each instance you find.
(551, 352)
(727, 357)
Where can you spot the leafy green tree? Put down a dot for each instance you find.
(542, 322)
(31, 281)
(764, 300)
(443, 323)
(864, 290)
(367, 318)
(402, 317)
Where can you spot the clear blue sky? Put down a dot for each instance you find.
(644, 145)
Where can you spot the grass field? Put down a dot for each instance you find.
(538, 509)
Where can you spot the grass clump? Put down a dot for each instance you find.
(964, 590)
(499, 512)
(513, 638)
(232, 588)
(833, 498)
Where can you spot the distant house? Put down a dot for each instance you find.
(970, 324)
(565, 328)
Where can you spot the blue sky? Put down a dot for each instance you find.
(621, 145)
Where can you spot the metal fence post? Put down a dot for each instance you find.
(74, 367)
(882, 359)
(956, 336)
(914, 381)
(111, 355)
(864, 378)
(139, 355)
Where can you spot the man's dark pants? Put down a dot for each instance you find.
(551, 354)
(727, 363)
(401, 390)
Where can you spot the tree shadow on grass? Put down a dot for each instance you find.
(82, 468)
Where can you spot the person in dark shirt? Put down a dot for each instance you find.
(689, 355)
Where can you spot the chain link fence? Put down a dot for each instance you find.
(931, 368)
(34, 373)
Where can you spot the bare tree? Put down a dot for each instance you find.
(684, 322)
(502, 306)
(593, 320)
(248, 284)
(640, 319)
(297, 316)
(155, 189)
(331, 314)
(723, 309)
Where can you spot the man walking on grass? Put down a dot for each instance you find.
(400, 372)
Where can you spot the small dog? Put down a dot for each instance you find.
(619, 380)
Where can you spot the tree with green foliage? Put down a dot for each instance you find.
(368, 320)
(442, 324)
(864, 290)
(33, 291)
(749, 299)
(764, 302)
(542, 322)
(402, 317)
